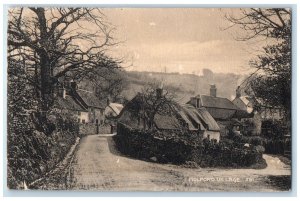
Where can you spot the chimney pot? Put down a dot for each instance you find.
(159, 92)
(213, 90)
(108, 101)
(62, 92)
(238, 92)
(73, 85)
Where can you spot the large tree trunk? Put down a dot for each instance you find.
(46, 70)
(46, 85)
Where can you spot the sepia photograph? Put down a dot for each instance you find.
(150, 99)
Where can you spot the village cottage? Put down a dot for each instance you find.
(262, 113)
(111, 112)
(198, 122)
(221, 109)
(89, 109)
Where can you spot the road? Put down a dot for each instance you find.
(97, 165)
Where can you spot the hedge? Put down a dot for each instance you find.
(271, 145)
(145, 145)
(32, 153)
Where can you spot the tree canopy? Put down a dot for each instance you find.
(57, 42)
(271, 81)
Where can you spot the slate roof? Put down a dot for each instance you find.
(68, 103)
(90, 99)
(219, 108)
(216, 102)
(116, 107)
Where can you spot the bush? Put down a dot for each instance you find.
(253, 140)
(229, 154)
(274, 146)
(271, 145)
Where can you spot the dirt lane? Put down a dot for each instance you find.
(98, 166)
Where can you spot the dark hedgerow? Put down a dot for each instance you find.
(145, 145)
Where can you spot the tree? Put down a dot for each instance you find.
(59, 42)
(271, 81)
(109, 85)
(157, 101)
(151, 101)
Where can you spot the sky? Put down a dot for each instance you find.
(184, 40)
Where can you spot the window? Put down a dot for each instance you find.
(83, 121)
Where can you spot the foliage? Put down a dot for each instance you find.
(184, 85)
(110, 84)
(227, 153)
(31, 152)
(269, 145)
(271, 81)
(253, 140)
(230, 154)
(153, 100)
(59, 42)
(46, 46)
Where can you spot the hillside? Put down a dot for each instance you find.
(184, 85)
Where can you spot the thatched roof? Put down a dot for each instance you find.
(195, 119)
(183, 116)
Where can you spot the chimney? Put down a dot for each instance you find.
(198, 102)
(238, 92)
(62, 92)
(159, 92)
(107, 101)
(73, 85)
(213, 90)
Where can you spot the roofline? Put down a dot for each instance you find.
(214, 97)
(113, 110)
(221, 108)
(95, 106)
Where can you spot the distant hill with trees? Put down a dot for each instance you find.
(183, 85)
